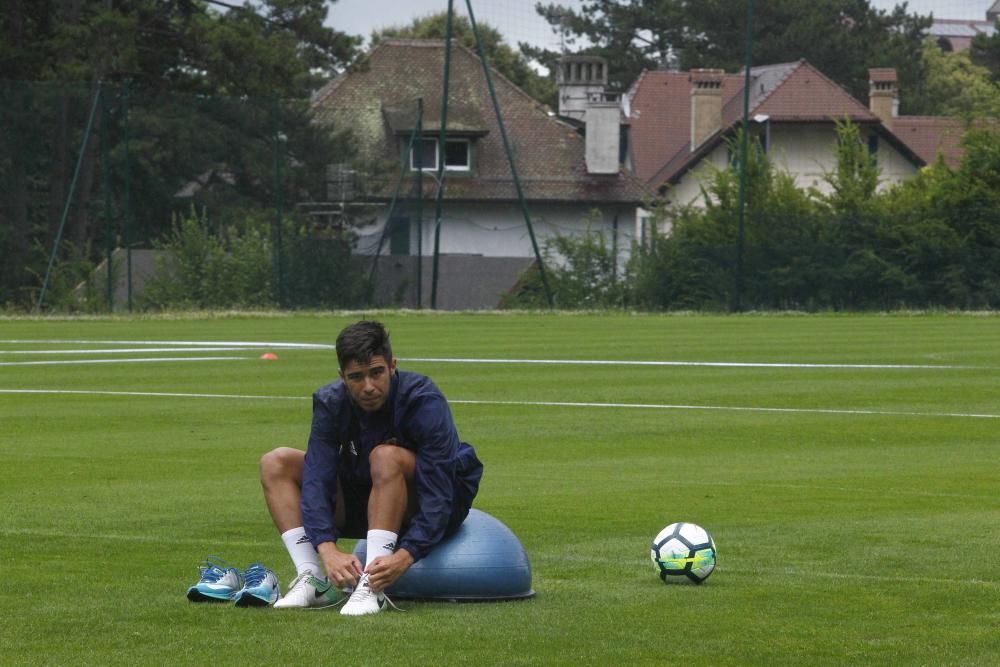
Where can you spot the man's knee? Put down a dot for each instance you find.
(282, 463)
(390, 461)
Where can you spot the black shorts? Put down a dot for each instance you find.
(357, 492)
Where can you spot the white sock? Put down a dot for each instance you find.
(303, 554)
(379, 543)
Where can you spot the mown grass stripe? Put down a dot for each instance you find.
(558, 404)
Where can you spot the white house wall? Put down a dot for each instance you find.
(893, 165)
(807, 152)
(688, 189)
(499, 230)
(804, 151)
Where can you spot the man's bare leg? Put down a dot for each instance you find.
(392, 498)
(281, 479)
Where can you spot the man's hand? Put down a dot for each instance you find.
(342, 569)
(386, 570)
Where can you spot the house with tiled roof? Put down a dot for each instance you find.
(570, 172)
(957, 34)
(681, 121)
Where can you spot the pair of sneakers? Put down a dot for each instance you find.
(309, 592)
(220, 582)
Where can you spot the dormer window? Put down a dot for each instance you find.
(457, 155)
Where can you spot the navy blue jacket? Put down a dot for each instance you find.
(415, 416)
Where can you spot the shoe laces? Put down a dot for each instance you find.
(299, 582)
(214, 568)
(255, 575)
(366, 590)
(299, 579)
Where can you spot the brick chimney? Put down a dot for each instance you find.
(706, 104)
(883, 100)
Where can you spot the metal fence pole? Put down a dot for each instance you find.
(744, 151)
(69, 195)
(439, 198)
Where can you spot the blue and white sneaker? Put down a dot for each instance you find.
(219, 582)
(260, 587)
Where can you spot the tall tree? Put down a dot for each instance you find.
(985, 52)
(208, 86)
(843, 38)
(956, 86)
(501, 57)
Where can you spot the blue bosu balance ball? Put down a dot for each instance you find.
(483, 560)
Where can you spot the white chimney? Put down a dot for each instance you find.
(580, 77)
(603, 134)
(582, 97)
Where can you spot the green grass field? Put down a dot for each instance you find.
(856, 509)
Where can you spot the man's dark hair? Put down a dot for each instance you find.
(361, 341)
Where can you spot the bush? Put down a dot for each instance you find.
(581, 271)
(930, 241)
(73, 287)
(240, 267)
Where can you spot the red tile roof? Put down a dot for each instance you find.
(931, 137)
(806, 94)
(376, 98)
(789, 92)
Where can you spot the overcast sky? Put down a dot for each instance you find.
(942, 9)
(518, 21)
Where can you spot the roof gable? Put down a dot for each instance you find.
(808, 95)
(786, 92)
(376, 99)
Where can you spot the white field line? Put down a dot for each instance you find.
(721, 364)
(129, 350)
(735, 408)
(117, 361)
(154, 394)
(235, 345)
(182, 343)
(557, 404)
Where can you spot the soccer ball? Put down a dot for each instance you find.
(683, 552)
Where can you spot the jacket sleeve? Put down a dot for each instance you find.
(433, 433)
(319, 476)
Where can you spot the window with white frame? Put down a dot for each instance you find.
(457, 155)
